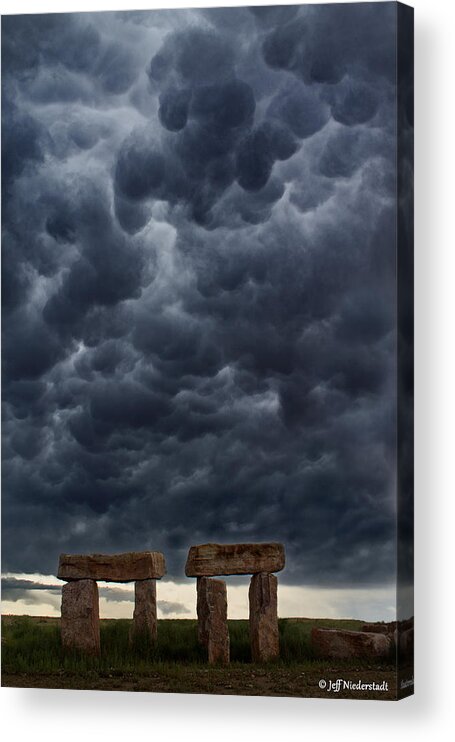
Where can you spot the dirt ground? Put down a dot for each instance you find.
(232, 681)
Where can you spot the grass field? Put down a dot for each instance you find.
(32, 657)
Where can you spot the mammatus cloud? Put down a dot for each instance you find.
(199, 278)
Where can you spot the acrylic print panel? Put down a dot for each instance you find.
(207, 350)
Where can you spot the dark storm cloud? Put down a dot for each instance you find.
(326, 42)
(199, 274)
(11, 586)
(31, 348)
(30, 592)
(23, 141)
(209, 111)
(107, 270)
(301, 108)
(47, 50)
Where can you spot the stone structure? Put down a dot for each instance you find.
(345, 645)
(264, 637)
(80, 604)
(145, 624)
(135, 565)
(208, 560)
(402, 633)
(211, 560)
(80, 624)
(202, 608)
(213, 631)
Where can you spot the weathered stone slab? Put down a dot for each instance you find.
(202, 609)
(80, 626)
(144, 626)
(208, 560)
(135, 565)
(339, 644)
(213, 630)
(264, 636)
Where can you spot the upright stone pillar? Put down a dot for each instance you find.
(202, 609)
(80, 625)
(264, 636)
(144, 616)
(213, 630)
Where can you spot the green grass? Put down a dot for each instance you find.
(32, 656)
(32, 645)
(295, 634)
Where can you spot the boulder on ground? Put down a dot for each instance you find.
(339, 644)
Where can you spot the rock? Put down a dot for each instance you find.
(264, 636)
(213, 630)
(202, 609)
(339, 644)
(140, 565)
(144, 626)
(208, 560)
(80, 626)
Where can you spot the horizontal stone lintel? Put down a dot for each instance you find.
(129, 567)
(210, 560)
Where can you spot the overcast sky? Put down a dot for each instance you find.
(199, 286)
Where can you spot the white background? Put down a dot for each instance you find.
(81, 715)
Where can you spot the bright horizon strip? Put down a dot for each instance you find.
(368, 603)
